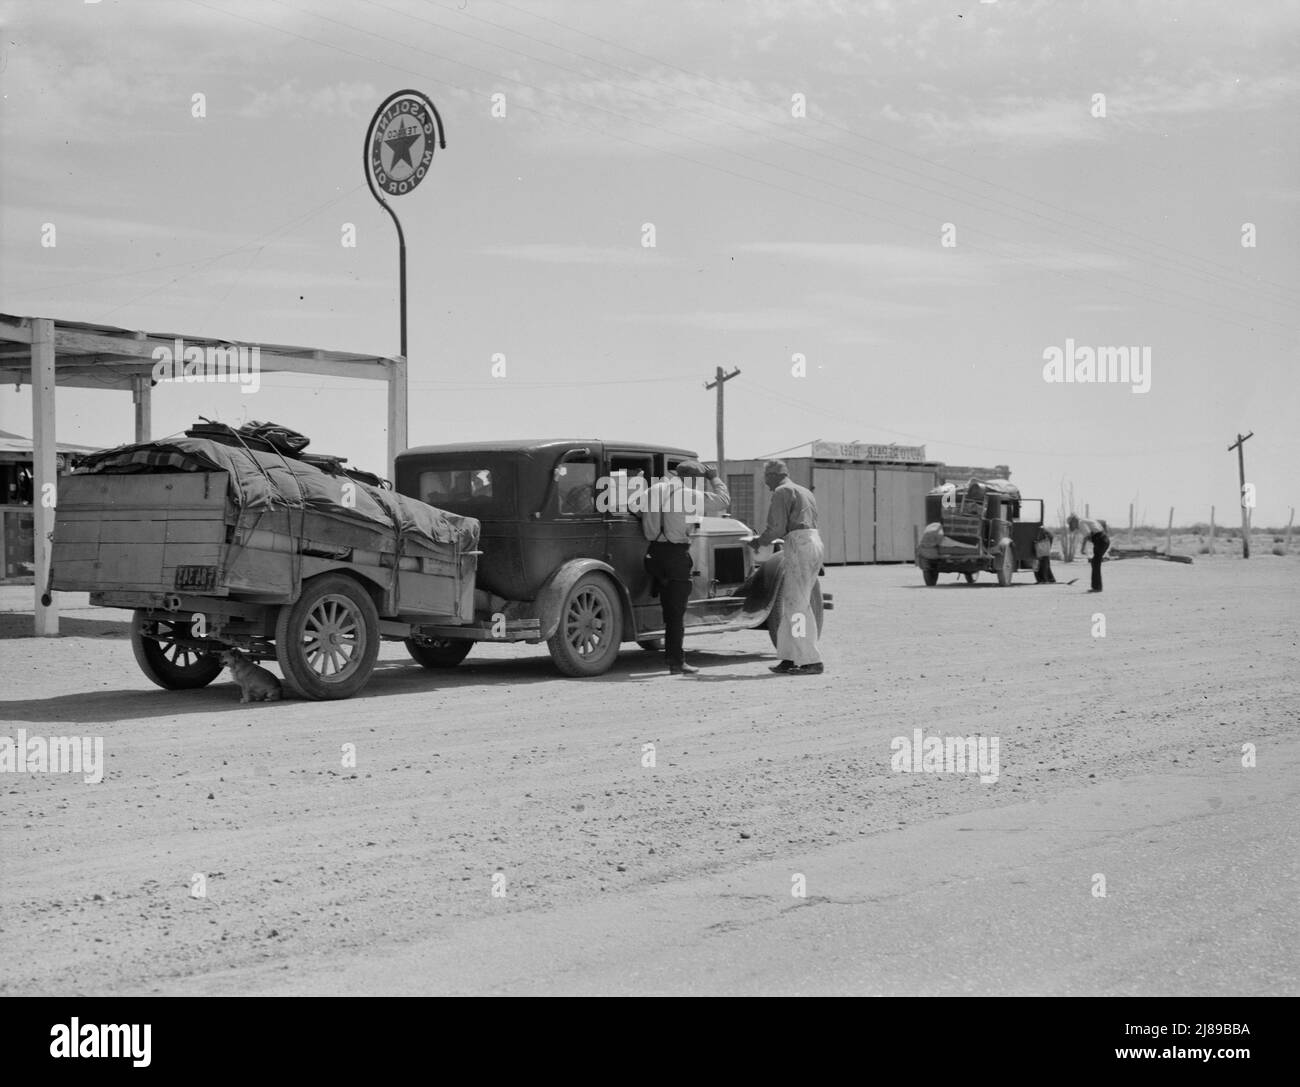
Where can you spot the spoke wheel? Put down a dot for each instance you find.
(164, 660)
(328, 640)
(590, 630)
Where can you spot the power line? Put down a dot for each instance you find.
(187, 263)
(857, 422)
(1201, 302)
(844, 129)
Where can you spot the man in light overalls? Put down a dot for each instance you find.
(792, 517)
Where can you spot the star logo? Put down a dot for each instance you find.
(399, 141)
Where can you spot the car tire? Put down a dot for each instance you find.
(170, 666)
(328, 639)
(435, 653)
(590, 629)
(651, 645)
(970, 577)
(775, 617)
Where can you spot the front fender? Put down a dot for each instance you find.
(929, 545)
(546, 608)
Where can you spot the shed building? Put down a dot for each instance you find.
(870, 498)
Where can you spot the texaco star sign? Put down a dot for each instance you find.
(401, 139)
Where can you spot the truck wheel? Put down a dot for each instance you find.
(327, 640)
(970, 577)
(652, 645)
(171, 666)
(591, 627)
(1006, 566)
(439, 652)
(774, 617)
(930, 573)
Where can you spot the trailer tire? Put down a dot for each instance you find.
(774, 617)
(172, 667)
(586, 641)
(433, 653)
(328, 639)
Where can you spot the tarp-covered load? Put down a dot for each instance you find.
(324, 505)
(986, 486)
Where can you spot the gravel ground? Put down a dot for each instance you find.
(503, 766)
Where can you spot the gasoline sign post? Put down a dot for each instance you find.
(397, 156)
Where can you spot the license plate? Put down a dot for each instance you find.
(196, 578)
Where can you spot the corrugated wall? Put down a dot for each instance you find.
(866, 511)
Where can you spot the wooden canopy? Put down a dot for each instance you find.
(46, 352)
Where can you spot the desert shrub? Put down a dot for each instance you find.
(1279, 550)
(1205, 550)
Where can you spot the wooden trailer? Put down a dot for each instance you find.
(313, 587)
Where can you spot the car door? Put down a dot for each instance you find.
(1028, 518)
(625, 542)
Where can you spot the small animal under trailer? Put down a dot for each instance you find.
(256, 684)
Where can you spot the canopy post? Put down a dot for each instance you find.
(44, 469)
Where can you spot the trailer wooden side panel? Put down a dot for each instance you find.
(138, 531)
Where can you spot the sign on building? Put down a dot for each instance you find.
(862, 451)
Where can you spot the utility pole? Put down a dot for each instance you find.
(1241, 478)
(720, 379)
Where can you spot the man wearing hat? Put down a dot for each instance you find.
(792, 517)
(668, 560)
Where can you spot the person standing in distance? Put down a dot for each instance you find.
(1095, 533)
(792, 517)
(668, 560)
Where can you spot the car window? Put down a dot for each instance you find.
(1031, 510)
(575, 488)
(454, 487)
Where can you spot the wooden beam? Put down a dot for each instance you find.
(375, 369)
(130, 346)
(142, 395)
(44, 466)
(16, 333)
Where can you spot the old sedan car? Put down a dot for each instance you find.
(563, 557)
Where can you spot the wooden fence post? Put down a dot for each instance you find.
(1130, 522)
(1169, 533)
(1211, 530)
(1287, 545)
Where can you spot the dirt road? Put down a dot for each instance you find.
(503, 776)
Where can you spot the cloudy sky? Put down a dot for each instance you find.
(775, 234)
